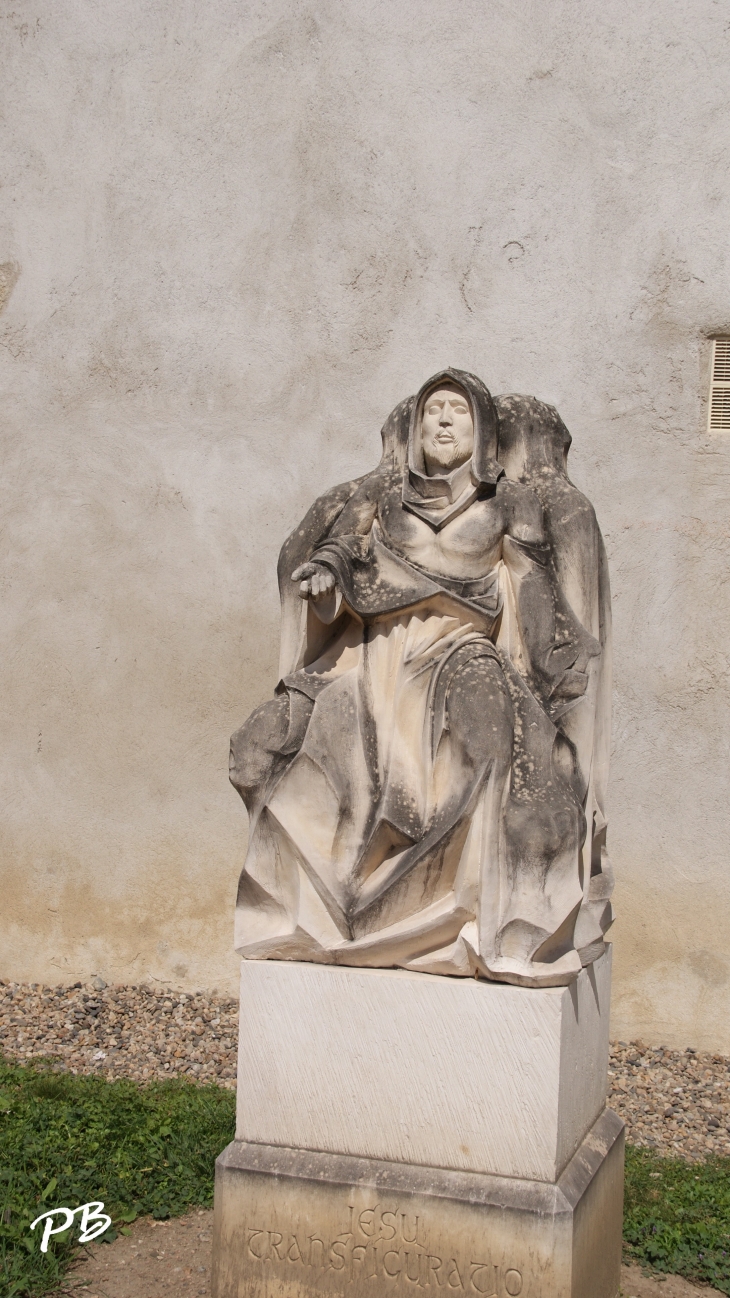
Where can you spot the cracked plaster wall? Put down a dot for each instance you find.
(231, 238)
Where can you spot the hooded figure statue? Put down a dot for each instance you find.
(426, 790)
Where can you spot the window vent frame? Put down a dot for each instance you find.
(718, 406)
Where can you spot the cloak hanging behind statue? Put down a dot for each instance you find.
(418, 796)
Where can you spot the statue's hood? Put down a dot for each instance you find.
(440, 497)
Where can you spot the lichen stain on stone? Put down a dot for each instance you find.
(9, 274)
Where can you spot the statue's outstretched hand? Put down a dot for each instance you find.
(315, 580)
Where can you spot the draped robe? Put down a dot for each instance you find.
(373, 841)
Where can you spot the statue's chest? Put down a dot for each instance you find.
(468, 545)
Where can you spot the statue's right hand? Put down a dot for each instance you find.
(315, 580)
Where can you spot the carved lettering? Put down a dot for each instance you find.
(338, 1250)
(358, 1254)
(453, 1275)
(390, 1225)
(382, 1255)
(434, 1269)
(367, 1227)
(392, 1253)
(252, 1234)
(371, 1251)
(298, 1257)
(274, 1243)
(479, 1278)
(409, 1239)
(314, 1239)
(414, 1279)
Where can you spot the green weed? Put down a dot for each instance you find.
(66, 1140)
(677, 1216)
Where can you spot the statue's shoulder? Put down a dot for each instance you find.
(523, 510)
(314, 527)
(324, 514)
(382, 482)
(517, 494)
(385, 475)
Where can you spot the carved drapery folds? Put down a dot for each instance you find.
(427, 787)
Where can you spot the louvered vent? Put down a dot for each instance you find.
(720, 386)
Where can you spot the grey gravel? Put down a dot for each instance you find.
(674, 1101)
(138, 1032)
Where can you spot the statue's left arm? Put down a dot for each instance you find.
(558, 648)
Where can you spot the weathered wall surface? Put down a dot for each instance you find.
(232, 236)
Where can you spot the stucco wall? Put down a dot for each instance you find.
(232, 236)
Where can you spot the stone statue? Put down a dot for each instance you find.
(426, 789)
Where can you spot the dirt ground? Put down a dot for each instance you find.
(156, 1258)
(635, 1285)
(173, 1258)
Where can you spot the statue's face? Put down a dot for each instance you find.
(447, 430)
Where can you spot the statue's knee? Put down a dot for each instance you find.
(254, 748)
(480, 710)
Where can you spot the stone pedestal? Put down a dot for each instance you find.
(399, 1131)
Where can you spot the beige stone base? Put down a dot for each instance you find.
(412, 1068)
(294, 1224)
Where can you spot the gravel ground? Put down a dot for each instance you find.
(674, 1101)
(677, 1102)
(132, 1032)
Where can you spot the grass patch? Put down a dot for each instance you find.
(65, 1140)
(677, 1216)
(150, 1150)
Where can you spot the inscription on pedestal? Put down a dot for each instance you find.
(302, 1224)
(380, 1242)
